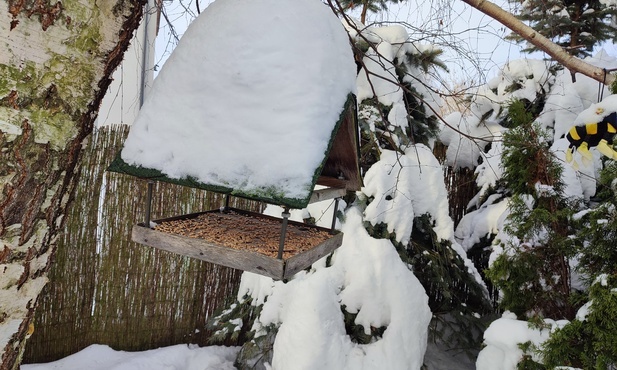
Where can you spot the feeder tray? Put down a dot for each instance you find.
(243, 240)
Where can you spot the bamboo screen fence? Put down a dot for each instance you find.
(460, 183)
(106, 289)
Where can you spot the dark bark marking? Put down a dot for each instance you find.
(26, 274)
(4, 254)
(10, 207)
(44, 9)
(11, 100)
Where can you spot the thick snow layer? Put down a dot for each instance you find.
(466, 138)
(367, 277)
(407, 186)
(379, 78)
(178, 357)
(560, 109)
(249, 97)
(384, 85)
(502, 339)
(481, 223)
(467, 135)
(531, 76)
(182, 357)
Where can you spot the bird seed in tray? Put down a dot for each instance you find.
(251, 232)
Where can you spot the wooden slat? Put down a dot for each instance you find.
(303, 260)
(205, 251)
(343, 159)
(325, 194)
(332, 182)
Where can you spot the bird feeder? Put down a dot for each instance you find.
(242, 128)
(338, 174)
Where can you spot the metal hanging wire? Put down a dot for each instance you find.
(603, 83)
(601, 86)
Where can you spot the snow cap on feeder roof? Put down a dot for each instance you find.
(249, 100)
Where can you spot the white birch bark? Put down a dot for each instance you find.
(55, 62)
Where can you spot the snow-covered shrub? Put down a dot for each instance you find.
(597, 232)
(590, 340)
(533, 271)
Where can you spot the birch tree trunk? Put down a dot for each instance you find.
(575, 65)
(56, 59)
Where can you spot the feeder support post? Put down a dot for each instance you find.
(285, 215)
(333, 226)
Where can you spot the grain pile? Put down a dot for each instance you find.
(246, 232)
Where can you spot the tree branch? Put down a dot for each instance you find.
(575, 65)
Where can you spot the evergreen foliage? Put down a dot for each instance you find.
(590, 341)
(258, 352)
(423, 128)
(523, 110)
(442, 272)
(374, 133)
(526, 156)
(527, 361)
(533, 273)
(597, 235)
(234, 323)
(439, 268)
(367, 5)
(455, 298)
(357, 332)
(378, 133)
(576, 25)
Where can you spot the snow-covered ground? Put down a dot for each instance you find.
(186, 357)
(178, 357)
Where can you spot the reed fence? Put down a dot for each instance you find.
(460, 184)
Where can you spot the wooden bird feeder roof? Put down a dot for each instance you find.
(339, 168)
